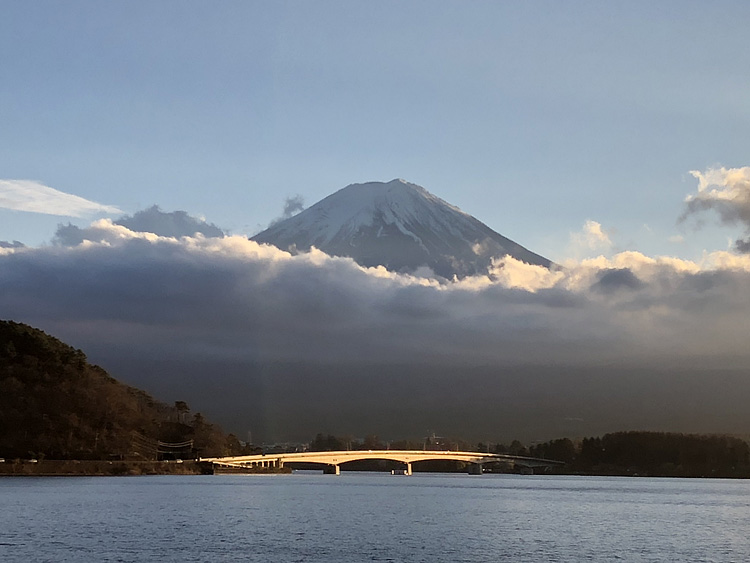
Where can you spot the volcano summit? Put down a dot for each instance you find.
(400, 226)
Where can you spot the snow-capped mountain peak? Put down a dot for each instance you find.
(399, 225)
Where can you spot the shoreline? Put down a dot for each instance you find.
(100, 468)
(105, 468)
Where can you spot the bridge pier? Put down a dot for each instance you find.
(408, 468)
(333, 469)
(475, 469)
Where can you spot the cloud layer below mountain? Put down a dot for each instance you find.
(272, 305)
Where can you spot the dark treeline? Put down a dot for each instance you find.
(661, 454)
(329, 442)
(620, 453)
(55, 405)
(664, 454)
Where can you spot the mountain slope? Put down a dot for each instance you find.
(398, 225)
(54, 404)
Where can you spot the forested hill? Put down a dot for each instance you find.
(54, 404)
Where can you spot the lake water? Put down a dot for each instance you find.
(373, 517)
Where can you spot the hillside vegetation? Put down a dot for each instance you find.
(54, 404)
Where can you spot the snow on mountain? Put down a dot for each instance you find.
(398, 225)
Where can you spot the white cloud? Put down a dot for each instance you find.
(724, 190)
(512, 273)
(103, 231)
(590, 239)
(172, 224)
(315, 306)
(34, 197)
(150, 223)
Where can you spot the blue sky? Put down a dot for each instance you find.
(534, 117)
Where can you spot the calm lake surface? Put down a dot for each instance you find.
(373, 517)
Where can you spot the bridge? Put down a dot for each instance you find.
(332, 460)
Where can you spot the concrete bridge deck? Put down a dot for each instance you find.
(333, 460)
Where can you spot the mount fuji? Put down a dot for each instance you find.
(400, 226)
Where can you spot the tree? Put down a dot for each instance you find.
(517, 448)
(372, 442)
(182, 409)
(326, 443)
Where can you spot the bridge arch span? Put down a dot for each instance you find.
(407, 457)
